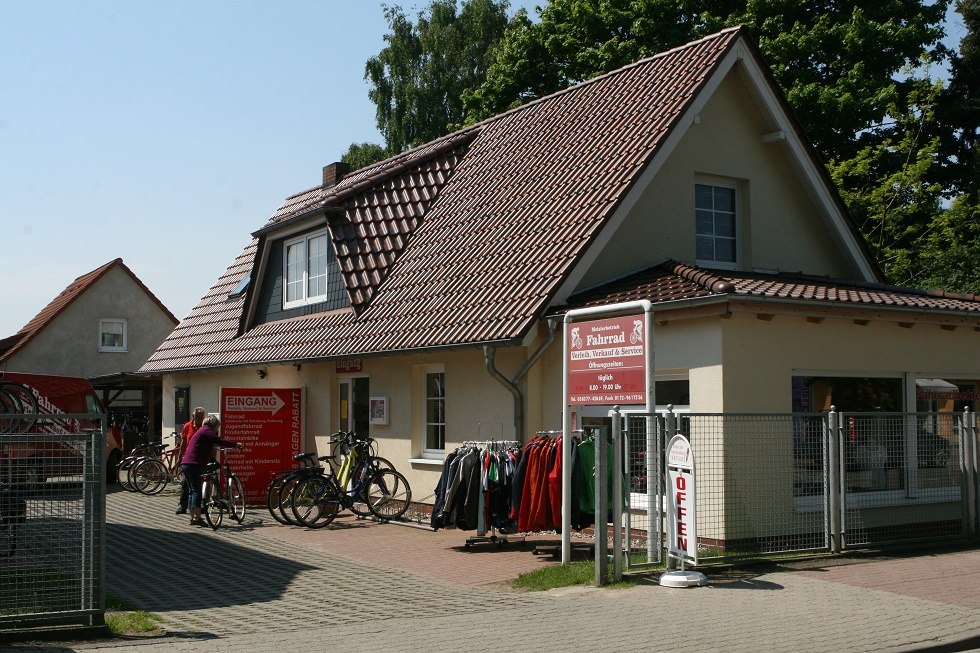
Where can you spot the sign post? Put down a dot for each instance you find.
(608, 361)
(682, 523)
(269, 423)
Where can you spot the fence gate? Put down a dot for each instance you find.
(52, 526)
(643, 444)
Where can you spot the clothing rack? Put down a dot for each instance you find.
(481, 530)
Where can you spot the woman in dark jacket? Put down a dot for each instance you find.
(198, 453)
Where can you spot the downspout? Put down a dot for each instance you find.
(489, 353)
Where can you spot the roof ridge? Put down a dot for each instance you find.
(435, 148)
(700, 276)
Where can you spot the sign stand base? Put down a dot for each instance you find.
(682, 578)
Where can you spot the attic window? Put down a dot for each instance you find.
(240, 288)
(715, 220)
(113, 336)
(305, 269)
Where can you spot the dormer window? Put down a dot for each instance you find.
(305, 269)
(715, 220)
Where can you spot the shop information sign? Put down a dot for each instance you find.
(269, 423)
(682, 533)
(607, 361)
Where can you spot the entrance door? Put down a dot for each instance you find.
(354, 405)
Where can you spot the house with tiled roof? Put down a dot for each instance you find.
(421, 299)
(103, 326)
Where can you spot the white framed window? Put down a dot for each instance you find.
(716, 223)
(305, 269)
(434, 411)
(113, 335)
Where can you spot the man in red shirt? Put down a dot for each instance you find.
(197, 418)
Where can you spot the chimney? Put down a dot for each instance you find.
(333, 173)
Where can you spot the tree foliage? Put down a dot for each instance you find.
(418, 79)
(903, 147)
(361, 155)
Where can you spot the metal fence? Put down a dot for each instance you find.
(779, 483)
(52, 523)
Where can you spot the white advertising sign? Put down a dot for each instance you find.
(682, 537)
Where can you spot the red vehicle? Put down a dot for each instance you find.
(37, 413)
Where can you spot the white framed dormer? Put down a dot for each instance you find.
(113, 334)
(719, 221)
(304, 275)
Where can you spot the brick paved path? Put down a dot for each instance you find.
(358, 585)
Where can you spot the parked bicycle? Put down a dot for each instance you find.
(281, 485)
(152, 473)
(18, 407)
(221, 491)
(362, 484)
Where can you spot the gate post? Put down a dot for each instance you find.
(833, 458)
(617, 493)
(968, 471)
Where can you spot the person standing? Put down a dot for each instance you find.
(197, 419)
(200, 452)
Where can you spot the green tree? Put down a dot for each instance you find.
(361, 155)
(838, 63)
(418, 79)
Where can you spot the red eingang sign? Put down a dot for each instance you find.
(607, 361)
(269, 422)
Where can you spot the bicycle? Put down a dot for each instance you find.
(125, 470)
(153, 473)
(221, 490)
(18, 407)
(280, 487)
(362, 484)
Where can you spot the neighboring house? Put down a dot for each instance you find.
(102, 327)
(437, 280)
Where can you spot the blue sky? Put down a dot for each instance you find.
(164, 133)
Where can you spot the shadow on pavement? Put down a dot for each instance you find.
(187, 569)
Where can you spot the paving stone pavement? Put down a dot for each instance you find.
(357, 584)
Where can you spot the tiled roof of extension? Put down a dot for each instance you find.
(674, 282)
(10, 345)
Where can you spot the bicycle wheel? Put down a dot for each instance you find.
(236, 498)
(9, 412)
(212, 506)
(314, 502)
(273, 494)
(284, 506)
(358, 491)
(388, 494)
(20, 410)
(122, 473)
(150, 476)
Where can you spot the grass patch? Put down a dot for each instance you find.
(575, 573)
(125, 619)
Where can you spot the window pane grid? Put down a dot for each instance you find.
(435, 412)
(306, 275)
(715, 223)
